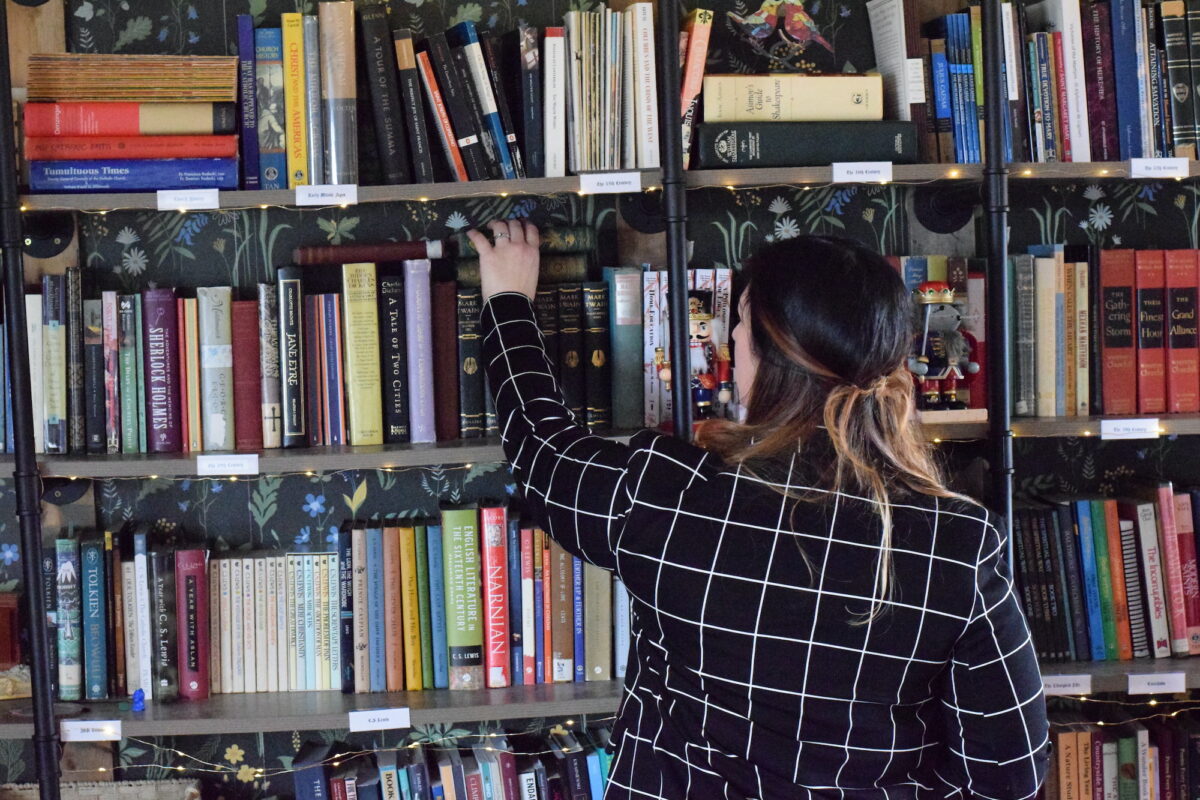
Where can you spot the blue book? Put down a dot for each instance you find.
(948, 28)
(95, 639)
(331, 305)
(966, 76)
(516, 648)
(595, 773)
(345, 550)
(247, 102)
(916, 271)
(310, 774)
(1122, 14)
(308, 563)
(376, 635)
(577, 608)
(418, 775)
(133, 175)
(437, 606)
(465, 36)
(939, 72)
(1091, 589)
(271, 117)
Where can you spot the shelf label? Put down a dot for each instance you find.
(1066, 684)
(862, 171)
(90, 730)
(380, 719)
(1157, 683)
(610, 182)
(327, 195)
(1158, 167)
(188, 199)
(1147, 428)
(227, 464)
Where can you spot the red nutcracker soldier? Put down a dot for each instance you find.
(943, 349)
(709, 369)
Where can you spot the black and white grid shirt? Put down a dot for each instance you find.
(754, 672)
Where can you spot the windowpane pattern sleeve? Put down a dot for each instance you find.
(995, 723)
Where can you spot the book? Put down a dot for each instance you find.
(1151, 588)
(76, 438)
(163, 634)
(1125, 15)
(470, 366)
(570, 346)
(268, 366)
(190, 405)
(314, 125)
(393, 593)
(461, 564)
(94, 392)
(424, 616)
(379, 56)
(130, 119)
(338, 91)
(452, 94)
(360, 299)
(1149, 282)
(412, 109)
(525, 90)
(554, 97)
(792, 98)
(291, 357)
(1119, 365)
(1185, 529)
(247, 376)
(160, 331)
(68, 620)
(54, 363)
(492, 49)
(1182, 345)
(440, 118)
(247, 105)
(598, 623)
(437, 606)
(560, 656)
(625, 326)
(597, 349)
(800, 144)
(216, 366)
(92, 591)
(1065, 18)
(445, 359)
(125, 175)
(1173, 24)
(272, 113)
(375, 607)
(295, 99)
(393, 344)
(464, 37)
(192, 607)
(410, 622)
(496, 620)
(88, 148)
(698, 27)
(112, 376)
(516, 633)
(417, 302)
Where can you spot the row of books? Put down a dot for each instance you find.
(1107, 579)
(567, 761)
(470, 600)
(1123, 757)
(1142, 357)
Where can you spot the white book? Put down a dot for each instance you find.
(1012, 72)
(891, 56)
(237, 620)
(129, 609)
(261, 624)
(272, 608)
(33, 334)
(628, 107)
(1152, 581)
(225, 568)
(574, 65)
(1144, 759)
(651, 339)
(291, 568)
(620, 629)
(528, 781)
(528, 629)
(321, 617)
(554, 104)
(1045, 285)
(279, 565)
(1111, 769)
(646, 85)
(334, 610)
(214, 627)
(309, 632)
(145, 646)
(249, 630)
(1142, 50)
(301, 682)
(362, 636)
(1082, 332)
(665, 402)
(1063, 16)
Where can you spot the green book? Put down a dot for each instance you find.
(1104, 577)
(625, 328)
(423, 608)
(464, 617)
(70, 621)
(141, 376)
(127, 371)
(1127, 766)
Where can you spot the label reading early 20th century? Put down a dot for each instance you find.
(862, 171)
(90, 730)
(1157, 683)
(327, 194)
(228, 464)
(1147, 428)
(1066, 684)
(610, 182)
(380, 719)
(188, 199)
(1158, 167)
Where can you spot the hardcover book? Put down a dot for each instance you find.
(291, 355)
(570, 346)
(339, 94)
(1119, 366)
(68, 620)
(314, 127)
(496, 624)
(470, 367)
(92, 589)
(216, 366)
(1149, 283)
(597, 349)
(381, 71)
(130, 119)
(1183, 348)
(295, 99)
(248, 102)
(792, 98)
(464, 630)
(94, 377)
(360, 299)
(417, 302)
(247, 376)
(160, 329)
(54, 362)
(272, 113)
(393, 343)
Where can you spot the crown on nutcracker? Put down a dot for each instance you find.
(933, 292)
(699, 304)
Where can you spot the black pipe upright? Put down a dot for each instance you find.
(25, 474)
(995, 188)
(670, 126)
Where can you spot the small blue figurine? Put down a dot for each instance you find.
(139, 701)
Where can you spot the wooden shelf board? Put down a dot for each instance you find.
(1095, 170)
(775, 176)
(1049, 427)
(267, 712)
(1113, 676)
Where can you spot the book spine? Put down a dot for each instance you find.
(437, 607)
(625, 325)
(192, 606)
(181, 358)
(141, 374)
(1119, 368)
(393, 358)
(554, 95)
(1182, 353)
(1159, 104)
(339, 94)
(598, 623)
(314, 127)
(411, 106)
(248, 102)
(1065, 131)
(417, 305)
(1168, 542)
(577, 618)
(393, 624)
(495, 73)
(1186, 535)
(1047, 91)
(279, 661)
(321, 674)
(54, 362)
(291, 355)
(268, 365)
(470, 51)
(381, 73)
(570, 346)
(130, 119)
(425, 620)
(530, 94)
(470, 366)
(360, 299)
(778, 144)
(377, 609)
(249, 639)
(410, 623)
(561, 650)
(441, 118)
(652, 303)
(1104, 514)
(541, 603)
(164, 637)
(116, 615)
(1095, 529)
(362, 627)
(528, 633)
(92, 612)
(247, 376)
(1158, 610)
(268, 678)
(293, 592)
(76, 433)
(1138, 611)
(295, 105)
(309, 631)
(191, 369)
(620, 643)
(489, 156)
(597, 347)
(1173, 23)
(496, 622)
(645, 86)
(698, 26)
(215, 625)
(1149, 282)
(316, 401)
(69, 620)
(132, 175)
(346, 609)
(460, 561)
(112, 374)
(1125, 73)
(216, 366)
(93, 377)
(272, 109)
(160, 331)
(516, 632)
(224, 568)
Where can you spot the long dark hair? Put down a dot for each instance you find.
(831, 325)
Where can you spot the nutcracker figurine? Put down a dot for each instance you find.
(709, 370)
(943, 350)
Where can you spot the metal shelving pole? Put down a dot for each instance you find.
(995, 191)
(670, 128)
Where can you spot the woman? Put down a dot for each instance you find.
(813, 613)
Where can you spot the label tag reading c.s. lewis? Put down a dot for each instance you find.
(1157, 683)
(1146, 428)
(1158, 167)
(610, 182)
(380, 719)
(90, 730)
(327, 194)
(188, 199)
(862, 171)
(228, 464)
(1066, 684)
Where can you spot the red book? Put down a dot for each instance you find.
(1149, 283)
(508, 771)
(191, 604)
(181, 322)
(87, 148)
(1060, 87)
(1186, 532)
(1117, 355)
(161, 353)
(474, 783)
(1183, 348)
(314, 379)
(337, 789)
(494, 553)
(445, 360)
(1168, 540)
(393, 625)
(977, 313)
(528, 635)
(444, 130)
(247, 376)
(129, 119)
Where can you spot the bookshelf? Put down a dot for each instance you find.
(1113, 676)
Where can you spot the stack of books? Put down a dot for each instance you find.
(128, 123)
(394, 605)
(1120, 756)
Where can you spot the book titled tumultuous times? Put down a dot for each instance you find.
(146, 175)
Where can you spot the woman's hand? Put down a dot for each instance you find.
(511, 264)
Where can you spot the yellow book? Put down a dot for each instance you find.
(792, 98)
(937, 268)
(411, 611)
(364, 396)
(191, 367)
(294, 103)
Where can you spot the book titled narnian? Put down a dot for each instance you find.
(160, 327)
